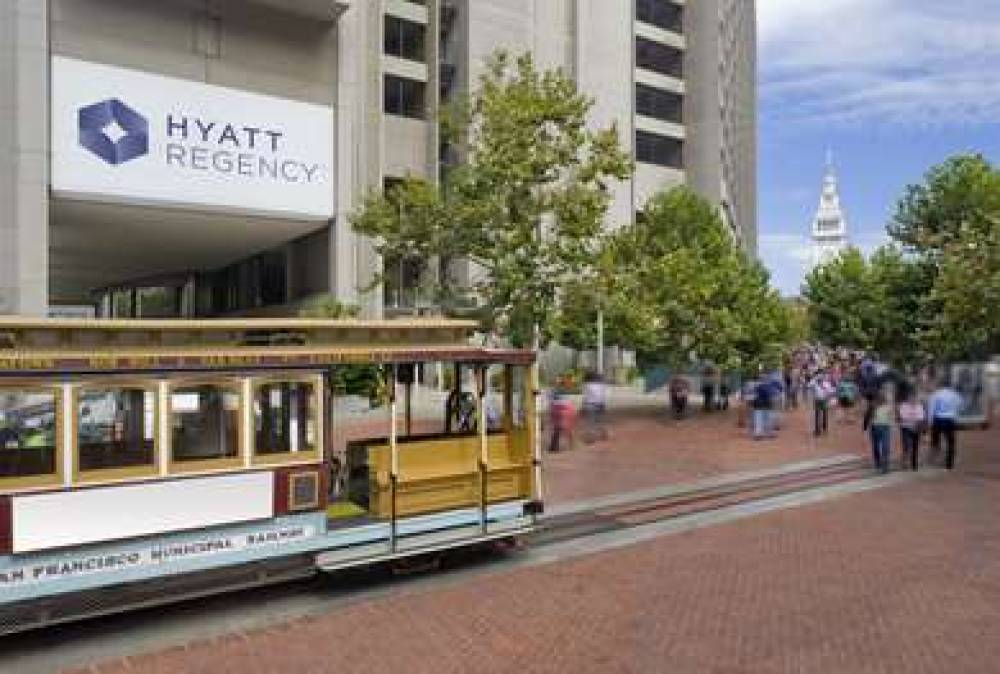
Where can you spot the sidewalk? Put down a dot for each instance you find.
(648, 448)
(901, 579)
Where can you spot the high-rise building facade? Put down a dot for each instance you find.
(202, 157)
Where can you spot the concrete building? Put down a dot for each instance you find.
(202, 157)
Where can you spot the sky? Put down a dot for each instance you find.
(890, 87)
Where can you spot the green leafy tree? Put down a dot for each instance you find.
(526, 208)
(845, 305)
(679, 288)
(868, 304)
(948, 225)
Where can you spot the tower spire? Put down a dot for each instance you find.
(829, 229)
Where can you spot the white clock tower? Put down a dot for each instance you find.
(829, 230)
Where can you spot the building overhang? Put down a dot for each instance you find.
(322, 10)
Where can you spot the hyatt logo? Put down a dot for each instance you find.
(113, 131)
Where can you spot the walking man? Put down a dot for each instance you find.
(944, 405)
(822, 390)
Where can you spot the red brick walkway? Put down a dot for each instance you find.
(903, 579)
(647, 449)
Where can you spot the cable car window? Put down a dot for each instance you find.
(205, 422)
(28, 433)
(285, 417)
(116, 428)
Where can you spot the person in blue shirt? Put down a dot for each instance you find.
(943, 409)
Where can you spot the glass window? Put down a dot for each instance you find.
(404, 39)
(159, 302)
(116, 428)
(659, 58)
(660, 13)
(205, 422)
(285, 417)
(28, 433)
(659, 104)
(404, 97)
(651, 148)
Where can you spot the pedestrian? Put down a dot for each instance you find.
(724, 393)
(846, 394)
(880, 430)
(562, 414)
(762, 401)
(944, 405)
(679, 388)
(868, 386)
(594, 405)
(822, 390)
(912, 419)
(791, 389)
(708, 390)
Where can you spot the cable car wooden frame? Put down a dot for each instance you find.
(72, 531)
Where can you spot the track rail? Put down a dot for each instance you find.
(695, 501)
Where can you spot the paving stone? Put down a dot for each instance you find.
(901, 579)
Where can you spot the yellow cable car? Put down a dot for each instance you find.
(186, 452)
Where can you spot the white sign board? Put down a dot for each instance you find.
(128, 136)
(126, 511)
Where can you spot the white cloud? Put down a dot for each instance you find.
(920, 62)
(788, 257)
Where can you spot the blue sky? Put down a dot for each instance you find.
(890, 86)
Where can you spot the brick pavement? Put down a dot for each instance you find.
(903, 579)
(647, 449)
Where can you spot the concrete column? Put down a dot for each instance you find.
(24, 115)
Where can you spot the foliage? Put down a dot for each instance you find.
(526, 208)
(949, 225)
(328, 306)
(366, 380)
(872, 305)
(679, 288)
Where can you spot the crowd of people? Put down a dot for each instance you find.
(848, 386)
(841, 381)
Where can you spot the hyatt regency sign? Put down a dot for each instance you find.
(129, 136)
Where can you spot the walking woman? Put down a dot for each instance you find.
(912, 418)
(881, 431)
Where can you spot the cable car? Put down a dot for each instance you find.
(146, 461)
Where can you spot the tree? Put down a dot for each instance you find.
(845, 305)
(900, 283)
(868, 304)
(949, 226)
(679, 287)
(959, 198)
(527, 206)
(967, 295)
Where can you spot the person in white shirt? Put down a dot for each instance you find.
(944, 406)
(822, 391)
(912, 416)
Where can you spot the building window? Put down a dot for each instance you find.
(651, 148)
(29, 437)
(660, 13)
(404, 97)
(659, 58)
(659, 104)
(205, 425)
(286, 419)
(404, 39)
(116, 429)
